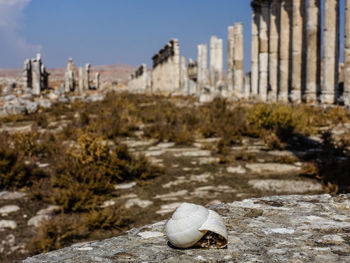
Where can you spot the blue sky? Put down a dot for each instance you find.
(113, 31)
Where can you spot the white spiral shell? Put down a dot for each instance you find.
(191, 222)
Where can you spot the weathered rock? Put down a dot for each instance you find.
(124, 186)
(138, 202)
(15, 109)
(272, 168)
(36, 221)
(271, 229)
(46, 104)
(9, 98)
(49, 210)
(8, 209)
(236, 170)
(8, 224)
(6, 195)
(286, 186)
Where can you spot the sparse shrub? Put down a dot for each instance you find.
(337, 115)
(60, 231)
(273, 142)
(14, 172)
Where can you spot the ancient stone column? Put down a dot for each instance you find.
(274, 49)
(202, 70)
(183, 77)
(97, 80)
(263, 49)
(285, 48)
(87, 77)
(329, 90)
(346, 96)
(297, 50)
(247, 85)
(313, 51)
(81, 79)
(44, 78)
(69, 76)
(36, 75)
(216, 61)
(255, 48)
(27, 74)
(230, 51)
(238, 76)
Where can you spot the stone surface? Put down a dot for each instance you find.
(271, 229)
(138, 202)
(286, 186)
(124, 186)
(36, 221)
(272, 168)
(49, 210)
(8, 209)
(6, 195)
(8, 224)
(236, 170)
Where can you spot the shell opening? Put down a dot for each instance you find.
(212, 240)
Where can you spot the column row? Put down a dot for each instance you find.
(286, 51)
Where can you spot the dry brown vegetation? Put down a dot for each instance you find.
(81, 143)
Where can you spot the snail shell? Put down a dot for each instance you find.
(190, 223)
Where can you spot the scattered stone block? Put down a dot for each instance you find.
(8, 224)
(36, 221)
(286, 186)
(8, 209)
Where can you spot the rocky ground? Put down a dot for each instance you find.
(192, 174)
(295, 228)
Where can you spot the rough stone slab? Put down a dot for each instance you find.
(286, 186)
(272, 168)
(5, 195)
(293, 228)
(8, 209)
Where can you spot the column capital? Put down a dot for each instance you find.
(255, 4)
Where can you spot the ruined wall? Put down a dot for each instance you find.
(166, 69)
(140, 80)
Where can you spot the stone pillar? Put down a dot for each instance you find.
(27, 74)
(238, 76)
(97, 80)
(263, 49)
(274, 49)
(329, 90)
(87, 77)
(81, 79)
(230, 51)
(183, 77)
(69, 76)
(285, 49)
(247, 85)
(346, 96)
(255, 48)
(297, 50)
(216, 61)
(36, 75)
(202, 70)
(44, 78)
(313, 51)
